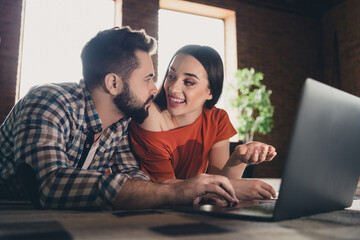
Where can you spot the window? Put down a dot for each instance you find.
(177, 29)
(183, 22)
(54, 33)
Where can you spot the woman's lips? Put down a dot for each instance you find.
(174, 101)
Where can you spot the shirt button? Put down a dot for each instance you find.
(87, 145)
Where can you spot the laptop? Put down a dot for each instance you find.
(322, 168)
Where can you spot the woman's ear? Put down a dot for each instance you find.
(113, 83)
(210, 96)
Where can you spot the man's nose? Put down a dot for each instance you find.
(153, 88)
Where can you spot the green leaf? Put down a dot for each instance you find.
(253, 104)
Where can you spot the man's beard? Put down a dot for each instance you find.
(131, 106)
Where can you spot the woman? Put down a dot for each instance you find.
(185, 135)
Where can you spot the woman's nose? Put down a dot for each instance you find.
(175, 86)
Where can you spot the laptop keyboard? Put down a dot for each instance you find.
(265, 206)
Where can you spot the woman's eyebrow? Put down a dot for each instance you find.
(192, 75)
(187, 74)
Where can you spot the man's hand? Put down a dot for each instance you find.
(251, 189)
(193, 189)
(254, 153)
(137, 194)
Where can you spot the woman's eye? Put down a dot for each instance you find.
(188, 83)
(171, 77)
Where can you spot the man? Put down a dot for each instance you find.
(66, 145)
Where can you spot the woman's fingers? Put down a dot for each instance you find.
(267, 191)
(256, 152)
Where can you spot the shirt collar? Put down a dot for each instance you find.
(121, 125)
(92, 117)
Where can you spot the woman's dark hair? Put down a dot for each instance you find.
(113, 50)
(211, 61)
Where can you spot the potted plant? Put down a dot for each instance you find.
(252, 102)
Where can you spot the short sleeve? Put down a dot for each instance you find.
(225, 129)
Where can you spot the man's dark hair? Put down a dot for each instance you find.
(211, 61)
(113, 51)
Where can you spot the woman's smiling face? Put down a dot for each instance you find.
(186, 87)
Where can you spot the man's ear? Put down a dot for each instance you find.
(113, 83)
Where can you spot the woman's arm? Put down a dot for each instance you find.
(233, 167)
(221, 164)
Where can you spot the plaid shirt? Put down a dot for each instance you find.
(47, 129)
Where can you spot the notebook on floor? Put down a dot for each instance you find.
(323, 164)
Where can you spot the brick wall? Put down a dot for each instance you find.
(341, 34)
(284, 47)
(139, 14)
(10, 22)
(287, 47)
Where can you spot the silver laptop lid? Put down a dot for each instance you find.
(323, 162)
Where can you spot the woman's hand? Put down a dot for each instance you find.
(254, 153)
(252, 189)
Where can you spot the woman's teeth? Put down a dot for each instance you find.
(176, 100)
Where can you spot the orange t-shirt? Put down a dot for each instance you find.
(183, 152)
